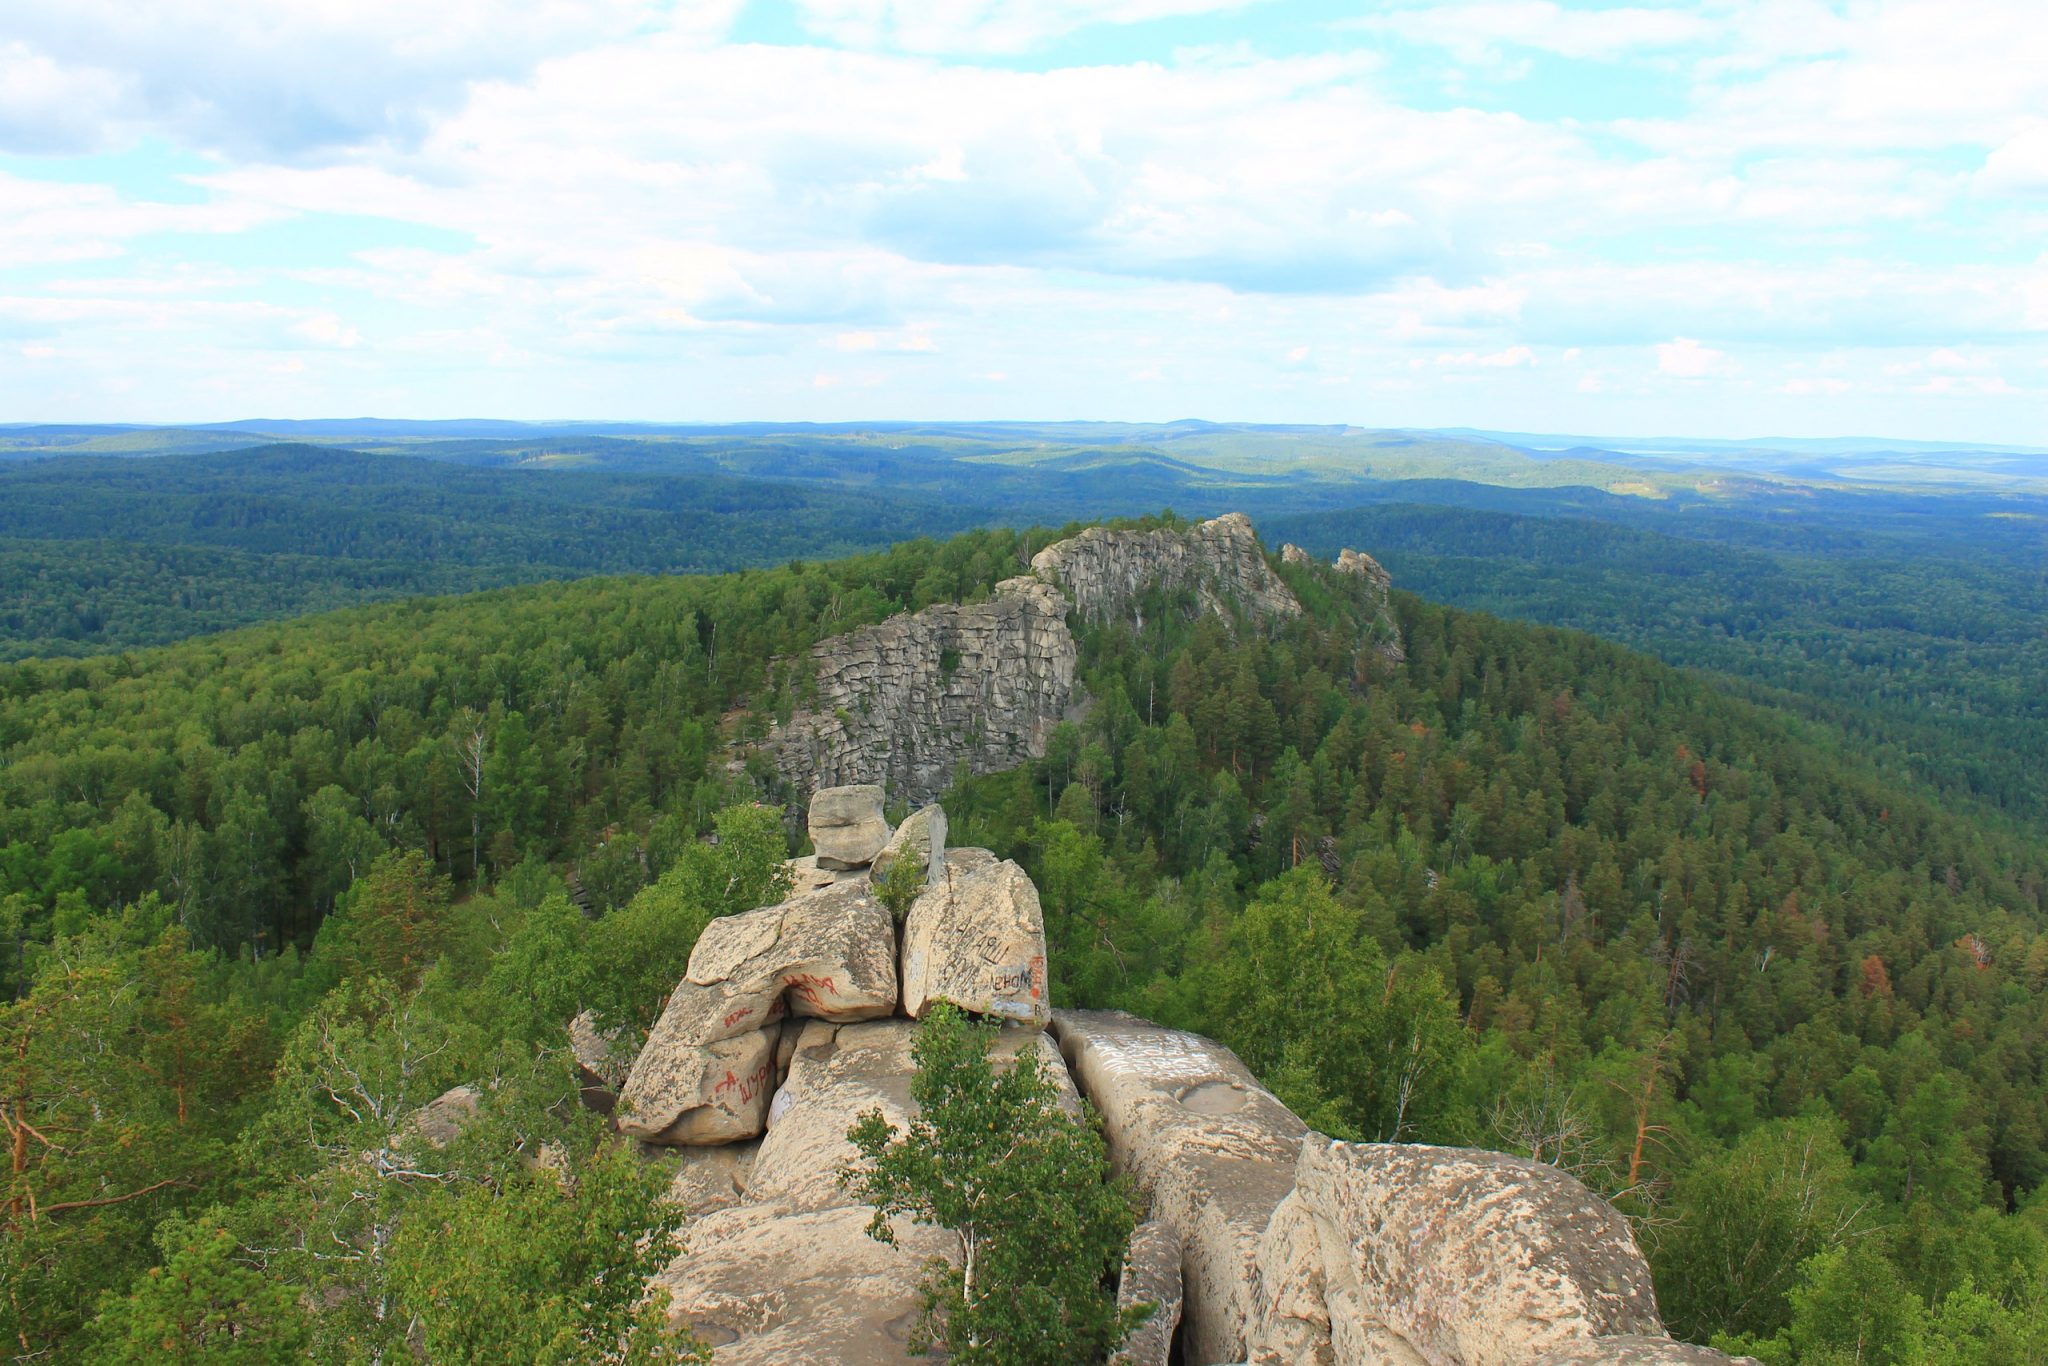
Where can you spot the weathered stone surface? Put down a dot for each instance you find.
(789, 1274)
(1105, 572)
(1357, 562)
(1291, 553)
(1214, 1150)
(806, 876)
(976, 937)
(1639, 1351)
(441, 1120)
(767, 1285)
(826, 954)
(907, 701)
(1151, 1276)
(847, 827)
(1458, 1255)
(839, 1073)
(922, 836)
(603, 1059)
(711, 1179)
(699, 1093)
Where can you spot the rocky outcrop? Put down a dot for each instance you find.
(907, 702)
(1151, 1276)
(787, 1272)
(603, 1059)
(1399, 1252)
(847, 827)
(1357, 562)
(922, 836)
(976, 937)
(1106, 572)
(1264, 1244)
(706, 1072)
(1212, 1148)
(1290, 553)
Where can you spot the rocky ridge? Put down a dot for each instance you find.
(906, 702)
(1265, 1243)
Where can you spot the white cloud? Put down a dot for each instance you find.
(1481, 31)
(287, 78)
(981, 26)
(2020, 165)
(1688, 359)
(1508, 358)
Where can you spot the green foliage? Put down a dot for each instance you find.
(545, 1267)
(205, 1303)
(1741, 1224)
(1024, 1188)
(900, 883)
(638, 952)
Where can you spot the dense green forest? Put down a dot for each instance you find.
(264, 894)
(99, 553)
(1927, 642)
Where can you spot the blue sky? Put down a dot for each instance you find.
(1728, 218)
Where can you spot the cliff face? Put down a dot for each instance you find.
(906, 702)
(1105, 572)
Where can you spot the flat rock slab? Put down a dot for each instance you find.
(767, 1285)
(847, 826)
(1639, 1351)
(976, 937)
(1215, 1151)
(707, 1180)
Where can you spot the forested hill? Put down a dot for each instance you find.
(98, 553)
(1526, 889)
(1915, 629)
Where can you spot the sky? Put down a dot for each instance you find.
(1729, 218)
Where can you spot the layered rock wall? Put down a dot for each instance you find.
(1106, 572)
(905, 703)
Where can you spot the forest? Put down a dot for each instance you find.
(263, 894)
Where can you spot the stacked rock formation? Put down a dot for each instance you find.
(905, 703)
(792, 1021)
(1264, 1243)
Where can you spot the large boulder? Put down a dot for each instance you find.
(1151, 1276)
(603, 1059)
(1357, 562)
(838, 1074)
(1452, 1257)
(1214, 1150)
(826, 954)
(922, 836)
(768, 1285)
(700, 1093)
(789, 1273)
(976, 937)
(847, 825)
